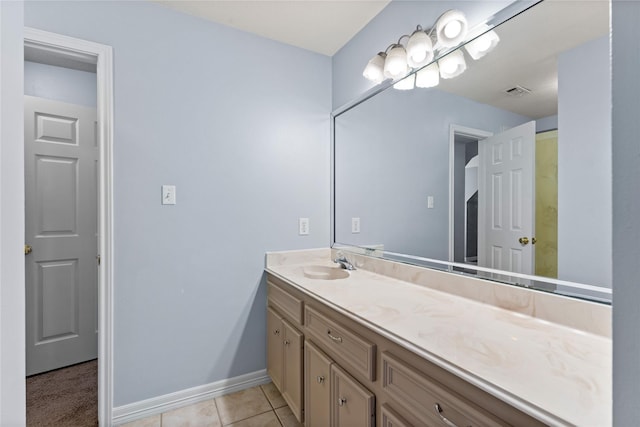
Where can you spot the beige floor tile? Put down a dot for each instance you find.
(273, 395)
(153, 421)
(241, 405)
(268, 419)
(199, 414)
(287, 418)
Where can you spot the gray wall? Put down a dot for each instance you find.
(392, 152)
(12, 342)
(626, 212)
(584, 164)
(245, 138)
(398, 18)
(60, 84)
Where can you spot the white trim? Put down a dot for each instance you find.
(158, 405)
(453, 131)
(102, 56)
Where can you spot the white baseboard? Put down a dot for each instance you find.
(157, 405)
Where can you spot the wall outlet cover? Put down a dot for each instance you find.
(303, 226)
(355, 225)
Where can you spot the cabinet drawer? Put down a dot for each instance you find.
(428, 400)
(285, 302)
(343, 344)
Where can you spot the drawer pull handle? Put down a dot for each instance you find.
(276, 332)
(337, 339)
(442, 417)
(342, 401)
(320, 379)
(286, 342)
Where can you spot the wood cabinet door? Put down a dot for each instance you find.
(352, 405)
(317, 392)
(275, 336)
(292, 374)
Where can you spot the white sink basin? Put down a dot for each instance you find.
(322, 272)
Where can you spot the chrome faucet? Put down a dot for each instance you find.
(344, 262)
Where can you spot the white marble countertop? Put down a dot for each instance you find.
(557, 374)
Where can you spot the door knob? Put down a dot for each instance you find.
(523, 241)
(27, 249)
(533, 240)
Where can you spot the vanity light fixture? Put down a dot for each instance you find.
(407, 83)
(451, 28)
(419, 48)
(480, 46)
(374, 70)
(396, 63)
(452, 65)
(428, 76)
(422, 45)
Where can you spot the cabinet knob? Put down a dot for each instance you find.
(439, 411)
(342, 401)
(320, 379)
(276, 332)
(286, 342)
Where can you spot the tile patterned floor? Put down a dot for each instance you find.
(261, 406)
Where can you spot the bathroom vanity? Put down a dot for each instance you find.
(391, 344)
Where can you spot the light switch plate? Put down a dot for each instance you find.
(168, 194)
(303, 226)
(430, 202)
(355, 225)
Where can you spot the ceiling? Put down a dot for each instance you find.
(527, 56)
(321, 26)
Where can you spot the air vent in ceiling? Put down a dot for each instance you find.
(518, 91)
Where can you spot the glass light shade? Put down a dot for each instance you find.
(419, 49)
(480, 46)
(374, 71)
(452, 65)
(451, 28)
(428, 76)
(407, 83)
(396, 63)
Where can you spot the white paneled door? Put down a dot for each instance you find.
(506, 200)
(61, 247)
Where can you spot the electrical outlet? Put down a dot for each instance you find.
(355, 225)
(303, 226)
(168, 194)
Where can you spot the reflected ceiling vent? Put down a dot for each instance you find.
(518, 91)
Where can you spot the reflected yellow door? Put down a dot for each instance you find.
(546, 249)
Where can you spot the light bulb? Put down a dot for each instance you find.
(396, 63)
(419, 49)
(480, 46)
(452, 65)
(452, 29)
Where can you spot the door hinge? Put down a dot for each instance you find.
(98, 258)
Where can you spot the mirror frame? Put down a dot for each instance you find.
(502, 276)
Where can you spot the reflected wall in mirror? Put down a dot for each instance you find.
(506, 167)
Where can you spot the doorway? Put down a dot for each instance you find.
(463, 193)
(62, 51)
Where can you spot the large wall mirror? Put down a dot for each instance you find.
(503, 172)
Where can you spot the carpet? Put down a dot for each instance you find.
(65, 397)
